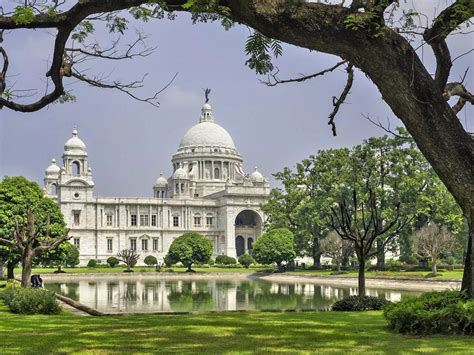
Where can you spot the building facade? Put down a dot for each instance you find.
(208, 192)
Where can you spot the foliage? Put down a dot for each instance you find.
(129, 257)
(23, 15)
(447, 312)
(113, 261)
(92, 263)
(30, 300)
(150, 260)
(188, 249)
(259, 47)
(274, 246)
(65, 254)
(360, 303)
(23, 206)
(246, 260)
(336, 248)
(225, 260)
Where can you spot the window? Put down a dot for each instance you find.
(144, 220)
(153, 220)
(145, 244)
(77, 217)
(110, 245)
(217, 174)
(197, 221)
(182, 187)
(54, 189)
(133, 219)
(177, 188)
(155, 244)
(109, 219)
(175, 221)
(133, 244)
(209, 221)
(77, 243)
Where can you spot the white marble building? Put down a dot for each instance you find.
(208, 192)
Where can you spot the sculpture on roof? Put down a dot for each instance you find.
(207, 91)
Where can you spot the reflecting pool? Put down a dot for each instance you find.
(165, 295)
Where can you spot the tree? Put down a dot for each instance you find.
(358, 221)
(31, 224)
(432, 241)
(274, 246)
(129, 257)
(189, 248)
(65, 254)
(336, 248)
(246, 260)
(150, 260)
(112, 261)
(364, 34)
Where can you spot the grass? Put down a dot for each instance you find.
(411, 274)
(325, 332)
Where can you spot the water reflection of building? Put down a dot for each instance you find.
(207, 192)
(205, 295)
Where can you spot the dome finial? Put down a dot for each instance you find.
(74, 131)
(207, 91)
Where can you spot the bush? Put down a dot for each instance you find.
(447, 312)
(225, 260)
(210, 262)
(112, 261)
(246, 260)
(188, 249)
(358, 303)
(30, 300)
(92, 263)
(150, 260)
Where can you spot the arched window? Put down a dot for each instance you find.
(76, 168)
(54, 189)
(217, 173)
(182, 187)
(177, 188)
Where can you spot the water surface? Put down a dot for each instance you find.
(165, 295)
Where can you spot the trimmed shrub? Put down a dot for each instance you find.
(225, 260)
(30, 300)
(358, 303)
(150, 260)
(92, 263)
(210, 262)
(447, 312)
(113, 261)
(246, 260)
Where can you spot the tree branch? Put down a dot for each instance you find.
(339, 101)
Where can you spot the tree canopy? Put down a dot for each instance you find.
(188, 249)
(274, 246)
(366, 35)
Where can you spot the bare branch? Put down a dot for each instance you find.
(337, 102)
(458, 89)
(273, 79)
(386, 128)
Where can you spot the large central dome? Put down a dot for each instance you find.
(207, 133)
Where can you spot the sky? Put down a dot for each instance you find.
(130, 143)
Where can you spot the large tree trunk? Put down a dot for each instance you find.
(27, 264)
(316, 251)
(10, 270)
(433, 267)
(361, 277)
(380, 255)
(468, 277)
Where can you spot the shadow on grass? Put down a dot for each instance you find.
(225, 332)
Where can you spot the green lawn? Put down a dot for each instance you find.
(323, 332)
(411, 274)
(418, 274)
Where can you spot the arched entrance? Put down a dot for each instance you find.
(248, 227)
(239, 245)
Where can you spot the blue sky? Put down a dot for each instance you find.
(130, 143)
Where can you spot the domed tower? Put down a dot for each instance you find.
(180, 183)
(51, 179)
(75, 178)
(160, 187)
(208, 155)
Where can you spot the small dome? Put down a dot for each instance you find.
(180, 174)
(161, 181)
(53, 169)
(74, 144)
(256, 176)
